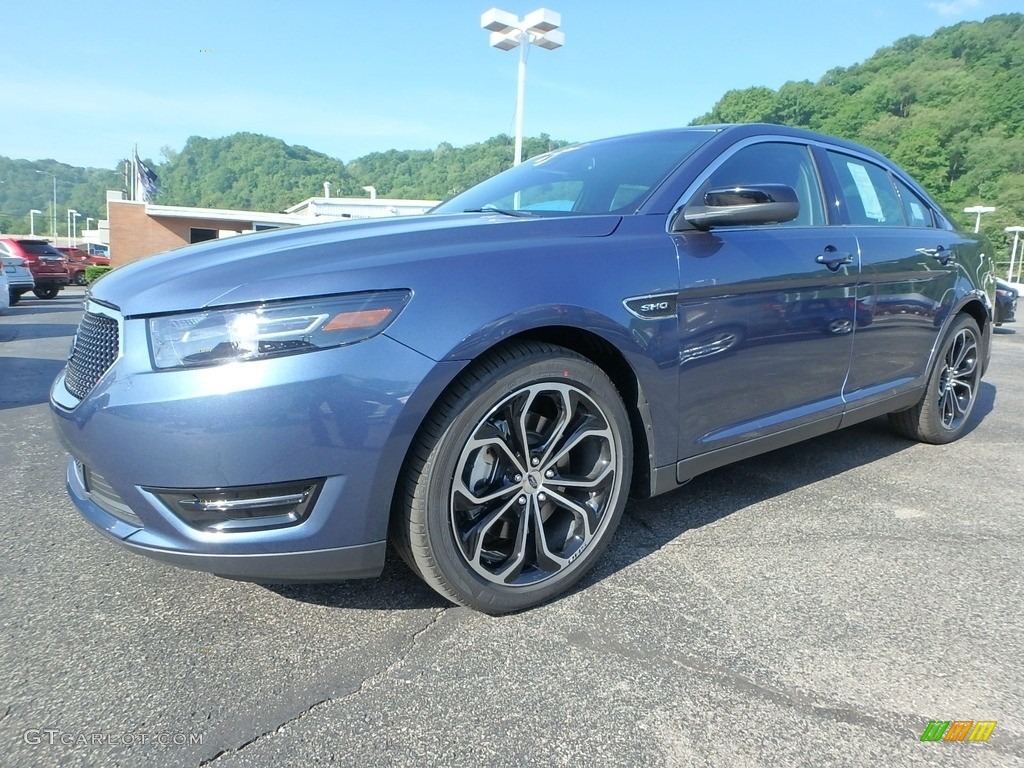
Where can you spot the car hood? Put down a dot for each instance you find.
(323, 259)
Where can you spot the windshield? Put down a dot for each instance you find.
(610, 176)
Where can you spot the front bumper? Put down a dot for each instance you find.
(346, 415)
(351, 562)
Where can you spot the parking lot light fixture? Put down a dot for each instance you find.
(32, 221)
(978, 210)
(508, 31)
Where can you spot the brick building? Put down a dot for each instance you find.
(138, 229)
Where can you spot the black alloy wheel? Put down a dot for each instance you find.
(944, 410)
(517, 481)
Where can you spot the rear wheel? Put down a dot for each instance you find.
(942, 414)
(517, 480)
(46, 293)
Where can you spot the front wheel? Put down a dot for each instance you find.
(46, 293)
(942, 414)
(517, 480)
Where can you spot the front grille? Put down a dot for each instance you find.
(94, 351)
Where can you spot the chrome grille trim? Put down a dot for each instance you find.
(105, 497)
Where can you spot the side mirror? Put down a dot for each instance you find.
(746, 205)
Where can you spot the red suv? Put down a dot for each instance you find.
(45, 262)
(78, 260)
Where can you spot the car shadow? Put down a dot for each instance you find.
(28, 331)
(26, 380)
(47, 307)
(648, 525)
(397, 588)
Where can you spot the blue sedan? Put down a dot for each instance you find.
(485, 385)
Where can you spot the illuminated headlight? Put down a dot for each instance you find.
(266, 330)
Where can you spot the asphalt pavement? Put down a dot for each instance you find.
(818, 605)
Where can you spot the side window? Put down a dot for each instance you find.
(773, 163)
(870, 196)
(914, 208)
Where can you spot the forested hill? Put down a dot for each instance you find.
(260, 173)
(949, 108)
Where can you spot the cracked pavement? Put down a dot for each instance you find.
(813, 606)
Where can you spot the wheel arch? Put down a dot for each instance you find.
(609, 359)
(975, 308)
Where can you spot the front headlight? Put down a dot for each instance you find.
(246, 333)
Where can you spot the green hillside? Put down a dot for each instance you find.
(949, 108)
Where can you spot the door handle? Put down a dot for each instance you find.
(940, 254)
(833, 259)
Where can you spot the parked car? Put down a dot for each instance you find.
(5, 292)
(96, 249)
(1006, 302)
(44, 261)
(19, 278)
(78, 260)
(483, 386)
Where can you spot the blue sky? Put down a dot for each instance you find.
(348, 78)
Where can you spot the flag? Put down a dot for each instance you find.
(145, 181)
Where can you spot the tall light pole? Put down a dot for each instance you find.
(53, 211)
(508, 31)
(1013, 253)
(88, 224)
(75, 216)
(372, 190)
(979, 210)
(32, 221)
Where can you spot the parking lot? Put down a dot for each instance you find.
(818, 605)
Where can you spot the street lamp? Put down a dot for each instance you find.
(88, 223)
(508, 31)
(73, 216)
(1013, 253)
(32, 220)
(53, 210)
(978, 209)
(372, 190)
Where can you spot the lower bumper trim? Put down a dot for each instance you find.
(365, 561)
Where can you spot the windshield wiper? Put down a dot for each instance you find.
(502, 211)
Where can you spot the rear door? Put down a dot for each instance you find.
(767, 312)
(908, 275)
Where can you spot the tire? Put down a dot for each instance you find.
(517, 479)
(839, 326)
(79, 278)
(942, 414)
(46, 293)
